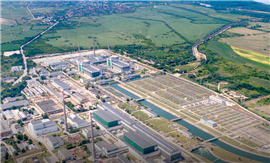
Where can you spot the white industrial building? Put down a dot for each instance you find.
(118, 65)
(208, 122)
(42, 127)
(186, 133)
(77, 122)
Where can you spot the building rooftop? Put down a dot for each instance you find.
(4, 126)
(12, 99)
(61, 84)
(48, 106)
(121, 63)
(9, 105)
(110, 147)
(123, 159)
(65, 152)
(117, 113)
(56, 140)
(139, 139)
(101, 144)
(106, 116)
(91, 68)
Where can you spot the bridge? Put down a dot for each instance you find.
(175, 119)
(140, 99)
(212, 139)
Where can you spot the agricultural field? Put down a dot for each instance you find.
(264, 26)
(150, 24)
(254, 40)
(226, 51)
(262, 82)
(257, 57)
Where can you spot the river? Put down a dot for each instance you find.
(194, 130)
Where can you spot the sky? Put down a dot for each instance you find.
(263, 1)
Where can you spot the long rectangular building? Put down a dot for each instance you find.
(16, 104)
(168, 150)
(105, 118)
(139, 142)
(5, 131)
(61, 85)
(48, 107)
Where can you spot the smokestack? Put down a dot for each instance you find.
(109, 49)
(80, 57)
(94, 47)
(93, 138)
(65, 116)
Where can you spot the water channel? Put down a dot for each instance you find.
(194, 130)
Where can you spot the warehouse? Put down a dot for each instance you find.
(208, 122)
(186, 133)
(16, 104)
(78, 97)
(12, 99)
(91, 71)
(61, 85)
(105, 118)
(48, 107)
(87, 132)
(4, 129)
(139, 142)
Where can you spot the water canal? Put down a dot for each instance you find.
(194, 130)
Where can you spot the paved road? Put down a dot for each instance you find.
(30, 10)
(25, 58)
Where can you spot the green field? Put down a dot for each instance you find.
(262, 82)
(150, 24)
(225, 51)
(21, 31)
(9, 47)
(142, 115)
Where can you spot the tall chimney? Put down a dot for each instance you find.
(94, 47)
(65, 116)
(93, 138)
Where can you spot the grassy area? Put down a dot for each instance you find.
(262, 82)
(126, 106)
(9, 47)
(142, 115)
(257, 57)
(188, 66)
(162, 124)
(155, 53)
(228, 156)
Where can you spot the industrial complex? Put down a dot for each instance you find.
(103, 107)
